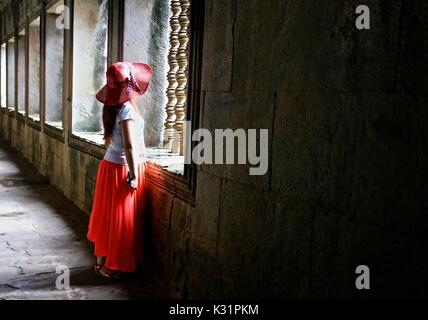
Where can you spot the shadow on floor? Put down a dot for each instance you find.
(41, 230)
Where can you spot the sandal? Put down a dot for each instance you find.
(98, 267)
(108, 273)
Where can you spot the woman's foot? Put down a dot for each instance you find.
(99, 264)
(97, 268)
(109, 273)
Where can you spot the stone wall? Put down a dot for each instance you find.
(70, 171)
(346, 185)
(346, 110)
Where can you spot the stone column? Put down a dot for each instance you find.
(172, 74)
(181, 94)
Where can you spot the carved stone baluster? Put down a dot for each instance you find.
(172, 79)
(182, 58)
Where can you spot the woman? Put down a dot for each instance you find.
(116, 219)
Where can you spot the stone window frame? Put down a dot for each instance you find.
(54, 132)
(183, 186)
(7, 35)
(3, 43)
(21, 116)
(75, 138)
(27, 15)
(6, 110)
(32, 15)
(75, 141)
(11, 112)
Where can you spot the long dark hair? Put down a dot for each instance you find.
(109, 120)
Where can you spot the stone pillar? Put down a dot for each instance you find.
(181, 94)
(172, 74)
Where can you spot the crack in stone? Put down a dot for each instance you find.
(36, 231)
(54, 272)
(21, 270)
(10, 286)
(9, 246)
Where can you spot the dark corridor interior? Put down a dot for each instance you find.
(339, 88)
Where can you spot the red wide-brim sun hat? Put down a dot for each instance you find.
(125, 81)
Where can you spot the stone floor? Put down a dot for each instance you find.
(40, 230)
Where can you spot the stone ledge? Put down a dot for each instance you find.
(166, 171)
(168, 161)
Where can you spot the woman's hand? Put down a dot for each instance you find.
(132, 181)
(133, 184)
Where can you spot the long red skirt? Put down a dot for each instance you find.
(116, 221)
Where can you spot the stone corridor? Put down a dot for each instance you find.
(41, 230)
(346, 114)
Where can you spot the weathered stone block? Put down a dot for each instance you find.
(179, 226)
(205, 275)
(412, 65)
(305, 46)
(239, 110)
(205, 216)
(90, 182)
(340, 246)
(177, 245)
(78, 165)
(246, 224)
(160, 239)
(352, 152)
(289, 247)
(218, 47)
(158, 205)
(302, 146)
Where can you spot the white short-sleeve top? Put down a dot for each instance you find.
(116, 152)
